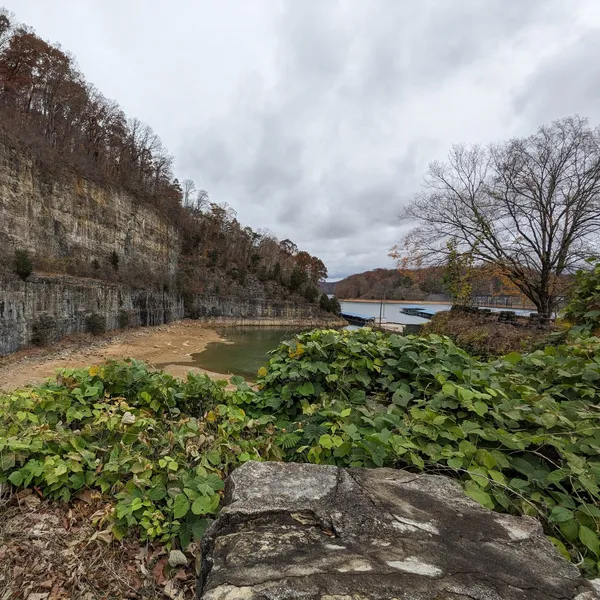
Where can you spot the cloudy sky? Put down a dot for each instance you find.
(316, 118)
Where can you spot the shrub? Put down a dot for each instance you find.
(521, 433)
(95, 324)
(23, 265)
(147, 449)
(311, 293)
(297, 279)
(584, 303)
(334, 306)
(324, 302)
(44, 331)
(124, 319)
(482, 335)
(331, 305)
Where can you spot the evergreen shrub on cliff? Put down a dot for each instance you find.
(22, 264)
(521, 433)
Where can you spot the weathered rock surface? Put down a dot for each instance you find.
(319, 532)
(63, 304)
(69, 218)
(70, 224)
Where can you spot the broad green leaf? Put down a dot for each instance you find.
(560, 514)
(455, 463)
(306, 389)
(480, 407)
(16, 478)
(157, 493)
(513, 358)
(205, 504)
(326, 441)
(589, 539)
(215, 482)
(181, 506)
(213, 457)
(480, 496)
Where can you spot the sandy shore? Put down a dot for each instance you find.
(155, 345)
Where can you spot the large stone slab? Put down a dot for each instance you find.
(319, 532)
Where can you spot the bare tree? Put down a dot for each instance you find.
(529, 206)
(188, 187)
(202, 200)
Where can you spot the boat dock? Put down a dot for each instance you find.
(361, 320)
(417, 312)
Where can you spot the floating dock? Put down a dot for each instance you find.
(418, 312)
(361, 320)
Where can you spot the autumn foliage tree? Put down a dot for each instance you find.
(46, 102)
(458, 275)
(219, 249)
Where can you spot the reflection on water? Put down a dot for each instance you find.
(243, 352)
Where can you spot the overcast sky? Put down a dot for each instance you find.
(316, 119)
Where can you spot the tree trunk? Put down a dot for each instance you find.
(545, 306)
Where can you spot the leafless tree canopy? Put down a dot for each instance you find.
(529, 206)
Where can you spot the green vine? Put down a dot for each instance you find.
(521, 433)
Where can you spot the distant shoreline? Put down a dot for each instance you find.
(414, 302)
(397, 301)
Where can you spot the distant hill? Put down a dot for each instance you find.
(420, 284)
(489, 286)
(327, 287)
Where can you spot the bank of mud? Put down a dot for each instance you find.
(164, 344)
(170, 346)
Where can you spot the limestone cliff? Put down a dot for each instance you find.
(72, 225)
(100, 253)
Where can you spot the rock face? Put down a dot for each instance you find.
(121, 255)
(215, 309)
(71, 219)
(61, 305)
(319, 532)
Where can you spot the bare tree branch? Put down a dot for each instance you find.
(529, 206)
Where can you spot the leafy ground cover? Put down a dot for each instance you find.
(584, 303)
(522, 433)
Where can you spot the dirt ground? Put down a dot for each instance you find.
(155, 345)
(53, 551)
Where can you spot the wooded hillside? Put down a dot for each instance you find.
(421, 284)
(49, 111)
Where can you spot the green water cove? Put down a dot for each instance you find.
(242, 352)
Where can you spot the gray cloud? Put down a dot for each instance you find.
(565, 84)
(317, 119)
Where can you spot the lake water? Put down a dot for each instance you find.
(244, 351)
(392, 310)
